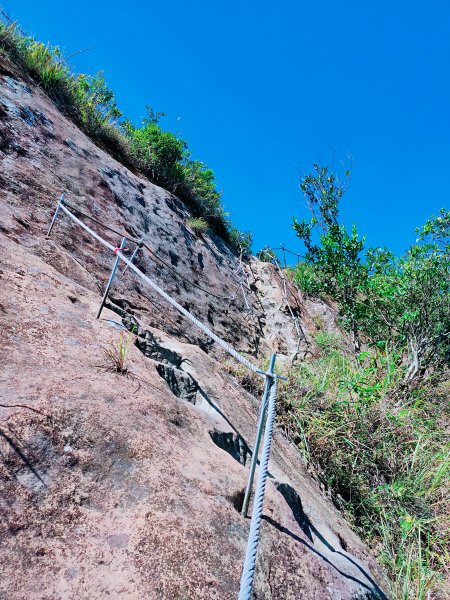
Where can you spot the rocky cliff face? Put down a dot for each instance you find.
(128, 485)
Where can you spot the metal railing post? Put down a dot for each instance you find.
(55, 215)
(139, 245)
(111, 278)
(259, 431)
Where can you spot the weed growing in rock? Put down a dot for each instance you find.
(116, 353)
(198, 225)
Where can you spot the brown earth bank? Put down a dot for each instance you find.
(128, 485)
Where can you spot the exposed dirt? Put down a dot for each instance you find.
(127, 485)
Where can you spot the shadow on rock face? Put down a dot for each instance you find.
(232, 443)
(181, 384)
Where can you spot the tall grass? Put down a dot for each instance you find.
(382, 451)
(160, 155)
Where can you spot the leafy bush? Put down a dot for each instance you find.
(307, 279)
(159, 154)
(150, 145)
(335, 258)
(198, 225)
(242, 241)
(266, 254)
(407, 299)
(403, 301)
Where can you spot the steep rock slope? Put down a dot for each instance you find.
(127, 486)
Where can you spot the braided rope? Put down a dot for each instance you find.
(225, 345)
(248, 571)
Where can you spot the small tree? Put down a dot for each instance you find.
(333, 254)
(407, 299)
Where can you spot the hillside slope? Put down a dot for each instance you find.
(127, 485)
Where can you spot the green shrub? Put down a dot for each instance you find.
(154, 148)
(374, 427)
(399, 300)
(333, 252)
(204, 199)
(266, 254)
(198, 225)
(242, 241)
(380, 448)
(306, 278)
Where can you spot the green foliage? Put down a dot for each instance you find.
(154, 148)
(159, 154)
(204, 197)
(198, 225)
(267, 254)
(94, 102)
(381, 454)
(407, 299)
(241, 240)
(403, 301)
(373, 427)
(308, 279)
(334, 255)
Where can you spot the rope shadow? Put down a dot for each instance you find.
(294, 502)
(22, 456)
(375, 593)
(214, 406)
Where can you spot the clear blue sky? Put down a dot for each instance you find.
(261, 89)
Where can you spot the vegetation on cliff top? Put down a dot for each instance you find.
(160, 155)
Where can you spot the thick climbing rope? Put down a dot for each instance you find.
(146, 246)
(255, 525)
(248, 571)
(225, 345)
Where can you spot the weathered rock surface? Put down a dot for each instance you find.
(127, 485)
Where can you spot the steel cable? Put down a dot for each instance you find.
(248, 571)
(225, 345)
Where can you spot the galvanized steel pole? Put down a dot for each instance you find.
(111, 277)
(55, 215)
(139, 245)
